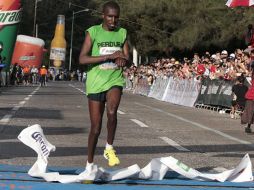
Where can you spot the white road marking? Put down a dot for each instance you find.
(120, 112)
(16, 108)
(141, 124)
(9, 140)
(174, 144)
(6, 119)
(82, 91)
(22, 102)
(199, 125)
(219, 169)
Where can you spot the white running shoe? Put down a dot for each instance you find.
(89, 174)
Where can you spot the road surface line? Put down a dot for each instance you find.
(80, 90)
(141, 124)
(6, 119)
(120, 112)
(220, 169)
(16, 108)
(174, 144)
(198, 125)
(9, 140)
(22, 102)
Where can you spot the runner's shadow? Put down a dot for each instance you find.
(12, 132)
(38, 113)
(17, 149)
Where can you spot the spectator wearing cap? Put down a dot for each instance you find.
(224, 54)
(207, 53)
(232, 56)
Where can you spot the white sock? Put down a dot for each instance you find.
(108, 146)
(89, 165)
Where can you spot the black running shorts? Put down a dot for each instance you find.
(101, 97)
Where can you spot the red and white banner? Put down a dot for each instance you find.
(240, 3)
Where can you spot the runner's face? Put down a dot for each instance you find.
(110, 17)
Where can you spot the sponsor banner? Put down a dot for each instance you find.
(182, 92)
(10, 17)
(177, 91)
(34, 138)
(187, 92)
(215, 92)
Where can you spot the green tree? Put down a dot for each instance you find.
(153, 26)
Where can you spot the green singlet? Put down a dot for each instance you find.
(102, 76)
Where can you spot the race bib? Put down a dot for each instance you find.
(107, 51)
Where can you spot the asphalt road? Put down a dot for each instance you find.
(147, 128)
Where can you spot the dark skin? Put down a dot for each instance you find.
(96, 109)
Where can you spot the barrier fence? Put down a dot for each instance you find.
(186, 92)
(215, 92)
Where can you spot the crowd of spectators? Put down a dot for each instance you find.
(221, 65)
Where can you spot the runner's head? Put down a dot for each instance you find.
(111, 12)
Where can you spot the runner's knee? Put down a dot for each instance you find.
(95, 131)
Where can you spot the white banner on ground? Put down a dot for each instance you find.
(155, 170)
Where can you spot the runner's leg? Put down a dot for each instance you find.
(113, 100)
(96, 110)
